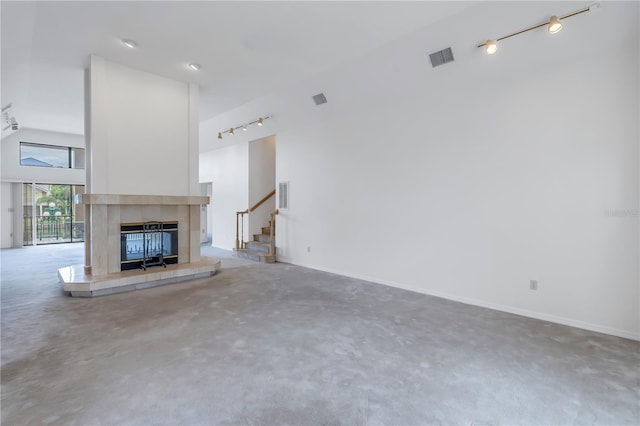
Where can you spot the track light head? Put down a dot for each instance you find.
(259, 121)
(554, 25)
(491, 47)
(231, 131)
(10, 122)
(219, 135)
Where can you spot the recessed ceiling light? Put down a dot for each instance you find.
(129, 43)
(194, 67)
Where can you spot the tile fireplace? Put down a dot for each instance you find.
(128, 234)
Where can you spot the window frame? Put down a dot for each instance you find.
(71, 155)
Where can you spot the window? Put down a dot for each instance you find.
(33, 154)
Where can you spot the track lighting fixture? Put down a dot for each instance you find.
(9, 122)
(244, 127)
(554, 25)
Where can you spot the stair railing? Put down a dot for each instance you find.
(240, 243)
(272, 229)
(240, 228)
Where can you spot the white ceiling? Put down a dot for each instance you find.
(246, 49)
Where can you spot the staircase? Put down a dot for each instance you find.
(261, 249)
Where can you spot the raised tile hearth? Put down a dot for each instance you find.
(79, 284)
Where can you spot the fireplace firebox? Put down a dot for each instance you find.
(148, 244)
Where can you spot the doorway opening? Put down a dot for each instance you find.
(49, 214)
(262, 181)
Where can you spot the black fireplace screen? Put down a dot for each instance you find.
(148, 244)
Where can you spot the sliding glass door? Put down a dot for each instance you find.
(28, 202)
(50, 216)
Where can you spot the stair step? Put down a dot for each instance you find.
(266, 230)
(258, 246)
(263, 238)
(256, 256)
(268, 258)
(248, 254)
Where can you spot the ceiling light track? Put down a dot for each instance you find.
(231, 131)
(554, 25)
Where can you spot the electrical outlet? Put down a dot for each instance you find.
(533, 285)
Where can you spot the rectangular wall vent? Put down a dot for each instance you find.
(320, 99)
(441, 57)
(283, 195)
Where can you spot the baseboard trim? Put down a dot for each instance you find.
(481, 303)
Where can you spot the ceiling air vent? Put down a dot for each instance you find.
(441, 57)
(320, 99)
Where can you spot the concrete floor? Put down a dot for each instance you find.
(279, 344)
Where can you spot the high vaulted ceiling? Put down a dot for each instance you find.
(246, 49)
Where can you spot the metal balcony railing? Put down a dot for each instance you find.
(53, 229)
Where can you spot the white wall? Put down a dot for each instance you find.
(262, 180)
(469, 180)
(227, 169)
(12, 171)
(6, 215)
(142, 133)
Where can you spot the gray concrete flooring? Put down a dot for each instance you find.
(279, 344)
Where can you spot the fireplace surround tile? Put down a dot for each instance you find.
(99, 240)
(114, 244)
(194, 220)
